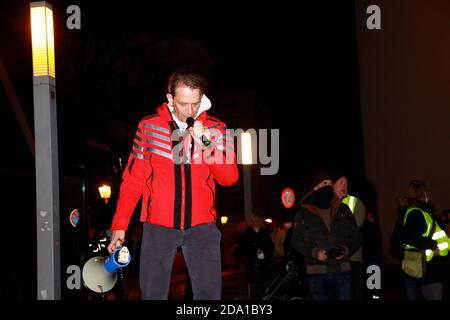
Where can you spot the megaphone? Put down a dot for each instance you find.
(100, 273)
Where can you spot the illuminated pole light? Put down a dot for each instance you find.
(247, 157)
(42, 39)
(105, 192)
(46, 151)
(246, 145)
(223, 219)
(268, 220)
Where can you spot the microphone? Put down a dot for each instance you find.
(190, 122)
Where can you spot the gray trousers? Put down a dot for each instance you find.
(201, 251)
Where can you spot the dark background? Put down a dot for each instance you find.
(292, 67)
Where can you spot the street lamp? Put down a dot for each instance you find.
(223, 219)
(42, 39)
(105, 192)
(46, 150)
(247, 161)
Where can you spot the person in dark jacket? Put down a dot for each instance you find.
(257, 248)
(326, 234)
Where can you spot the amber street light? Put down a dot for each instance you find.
(42, 39)
(223, 219)
(105, 192)
(46, 151)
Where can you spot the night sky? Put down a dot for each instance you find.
(290, 67)
(269, 67)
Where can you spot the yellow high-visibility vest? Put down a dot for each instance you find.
(350, 201)
(439, 235)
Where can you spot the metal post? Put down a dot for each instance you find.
(47, 176)
(247, 170)
(47, 193)
(247, 155)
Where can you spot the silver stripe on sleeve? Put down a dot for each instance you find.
(159, 144)
(161, 153)
(214, 126)
(221, 147)
(137, 155)
(138, 147)
(157, 128)
(157, 135)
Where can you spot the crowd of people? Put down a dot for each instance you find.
(337, 239)
(331, 239)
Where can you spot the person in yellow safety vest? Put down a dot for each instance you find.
(422, 231)
(358, 209)
(437, 234)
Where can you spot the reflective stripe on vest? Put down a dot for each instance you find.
(350, 201)
(439, 235)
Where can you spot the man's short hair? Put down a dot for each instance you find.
(186, 78)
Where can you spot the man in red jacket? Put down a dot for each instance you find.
(174, 166)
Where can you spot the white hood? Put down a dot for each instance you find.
(205, 105)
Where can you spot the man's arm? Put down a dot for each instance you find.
(353, 234)
(300, 240)
(133, 178)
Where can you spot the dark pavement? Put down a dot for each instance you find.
(234, 286)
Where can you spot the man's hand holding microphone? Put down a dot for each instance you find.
(199, 133)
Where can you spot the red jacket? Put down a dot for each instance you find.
(176, 195)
